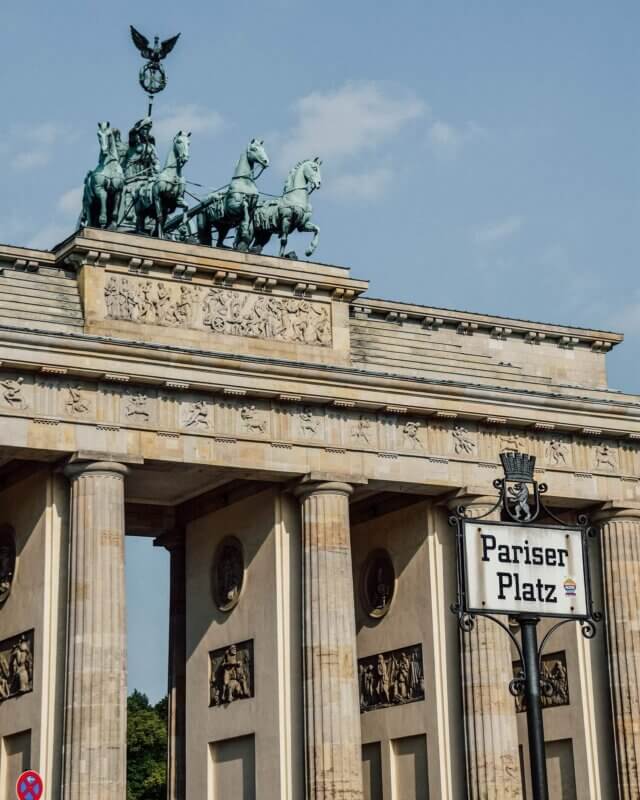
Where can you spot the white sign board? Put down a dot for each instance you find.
(512, 569)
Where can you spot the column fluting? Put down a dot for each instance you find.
(620, 540)
(95, 725)
(332, 713)
(491, 731)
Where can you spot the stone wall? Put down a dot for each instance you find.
(249, 707)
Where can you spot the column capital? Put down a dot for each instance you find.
(617, 510)
(325, 483)
(75, 469)
(470, 497)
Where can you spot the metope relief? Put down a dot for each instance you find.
(196, 415)
(253, 419)
(219, 310)
(308, 423)
(554, 681)
(510, 442)
(363, 431)
(392, 678)
(7, 561)
(463, 442)
(76, 402)
(606, 457)
(228, 573)
(231, 674)
(12, 393)
(411, 438)
(558, 452)
(16, 665)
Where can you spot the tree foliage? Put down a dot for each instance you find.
(146, 748)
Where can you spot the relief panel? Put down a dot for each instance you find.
(554, 672)
(231, 673)
(16, 665)
(218, 310)
(16, 392)
(392, 678)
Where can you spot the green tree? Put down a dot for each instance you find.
(146, 748)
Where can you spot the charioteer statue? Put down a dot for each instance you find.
(140, 165)
(129, 190)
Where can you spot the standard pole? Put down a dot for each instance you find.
(528, 626)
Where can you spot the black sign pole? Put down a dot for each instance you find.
(520, 503)
(535, 726)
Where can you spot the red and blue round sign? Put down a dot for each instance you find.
(29, 786)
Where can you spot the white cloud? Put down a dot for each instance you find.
(190, 117)
(36, 142)
(48, 236)
(497, 231)
(31, 159)
(364, 185)
(345, 122)
(446, 140)
(70, 201)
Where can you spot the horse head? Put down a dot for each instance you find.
(312, 174)
(256, 154)
(181, 143)
(105, 134)
(305, 175)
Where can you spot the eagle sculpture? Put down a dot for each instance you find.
(156, 52)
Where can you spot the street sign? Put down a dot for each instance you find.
(537, 569)
(29, 786)
(525, 570)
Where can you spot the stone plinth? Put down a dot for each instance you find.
(95, 736)
(620, 538)
(493, 762)
(332, 712)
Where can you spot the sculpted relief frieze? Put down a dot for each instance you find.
(172, 411)
(218, 310)
(16, 665)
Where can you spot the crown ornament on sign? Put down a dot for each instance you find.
(518, 466)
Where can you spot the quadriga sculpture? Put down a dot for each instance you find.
(292, 211)
(235, 207)
(159, 197)
(103, 186)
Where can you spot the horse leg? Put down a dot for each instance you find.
(113, 222)
(141, 216)
(101, 195)
(204, 230)
(243, 231)
(159, 217)
(223, 230)
(260, 241)
(309, 227)
(285, 230)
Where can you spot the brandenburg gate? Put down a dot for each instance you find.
(296, 447)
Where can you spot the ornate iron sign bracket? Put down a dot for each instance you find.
(521, 506)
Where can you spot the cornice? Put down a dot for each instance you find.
(318, 383)
(469, 323)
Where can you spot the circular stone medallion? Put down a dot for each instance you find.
(7, 561)
(378, 583)
(228, 573)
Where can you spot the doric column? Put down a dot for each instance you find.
(95, 724)
(176, 753)
(332, 712)
(620, 537)
(493, 760)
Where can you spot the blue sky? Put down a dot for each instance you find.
(477, 155)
